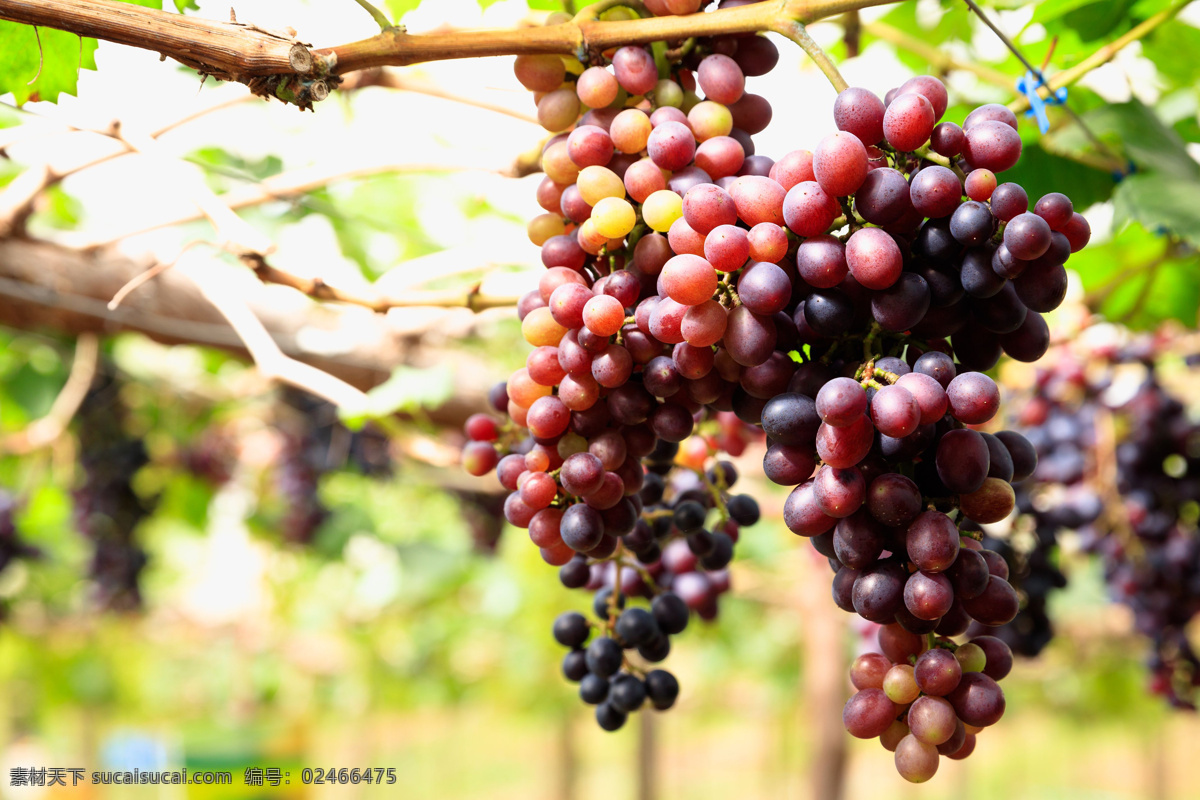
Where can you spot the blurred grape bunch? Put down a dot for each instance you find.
(107, 510)
(11, 546)
(314, 442)
(1113, 432)
(484, 514)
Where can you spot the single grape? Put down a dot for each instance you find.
(908, 121)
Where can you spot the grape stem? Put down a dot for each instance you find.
(594, 11)
(713, 490)
(795, 30)
(380, 18)
(675, 54)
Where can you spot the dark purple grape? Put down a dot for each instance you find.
(1029, 342)
(1042, 289)
(1001, 313)
(791, 419)
(830, 313)
(789, 465)
(879, 591)
(997, 605)
(843, 588)
(902, 305)
(969, 574)
(962, 460)
(999, 656)
(883, 196)
(1024, 456)
(977, 700)
(936, 365)
(1008, 200)
(858, 540)
(972, 223)
(977, 276)
(1027, 236)
(893, 499)
(932, 541)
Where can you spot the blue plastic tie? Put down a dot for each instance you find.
(1028, 86)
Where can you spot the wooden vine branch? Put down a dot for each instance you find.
(470, 297)
(226, 50)
(267, 60)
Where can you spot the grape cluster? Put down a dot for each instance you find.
(12, 547)
(1120, 464)
(843, 299)
(946, 695)
(314, 442)
(107, 510)
(678, 563)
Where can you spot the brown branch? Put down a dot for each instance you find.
(470, 298)
(226, 50)
(46, 430)
(249, 54)
(48, 286)
(270, 360)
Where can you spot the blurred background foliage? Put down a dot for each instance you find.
(392, 623)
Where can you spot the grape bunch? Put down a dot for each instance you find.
(107, 510)
(1120, 464)
(845, 300)
(677, 562)
(948, 694)
(314, 442)
(12, 547)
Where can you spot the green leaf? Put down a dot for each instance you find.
(1097, 20)
(1166, 47)
(1041, 172)
(1140, 278)
(1160, 202)
(61, 56)
(409, 390)
(1055, 9)
(1132, 126)
(399, 8)
(186, 5)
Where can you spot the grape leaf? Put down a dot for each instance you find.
(1055, 9)
(61, 56)
(1166, 46)
(1136, 277)
(41, 64)
(1168, 202)
(1137, 130)
(399, 8)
